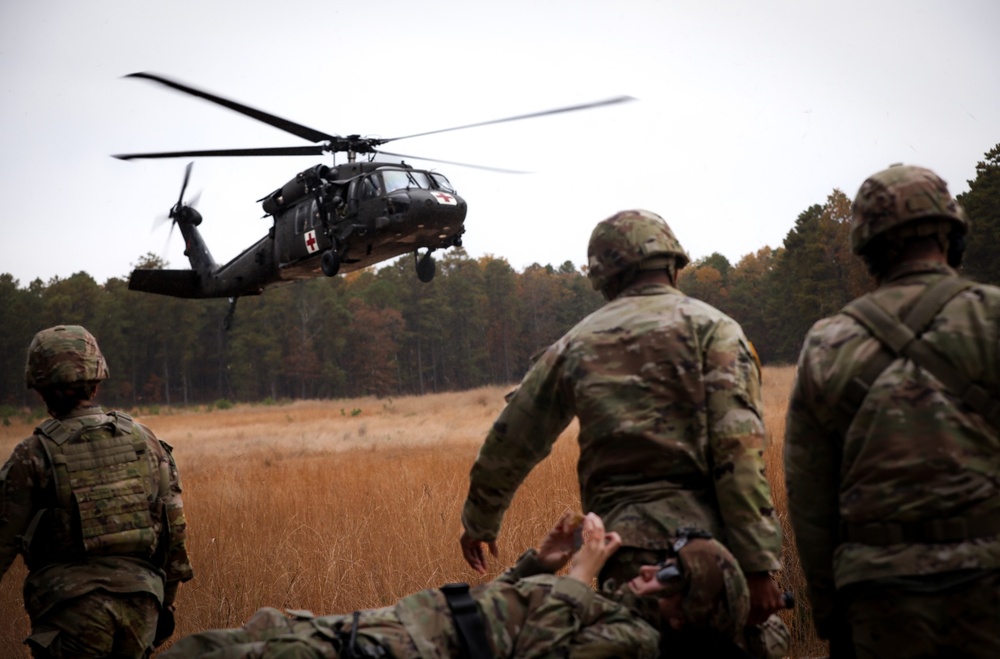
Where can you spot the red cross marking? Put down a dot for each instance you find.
(311, 242)
(443, 196)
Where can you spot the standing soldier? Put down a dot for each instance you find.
(892, 453)
(92, 501)
(667, 392)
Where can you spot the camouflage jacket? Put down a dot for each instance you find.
(527, 614)
(911, 454)
(533, 614)
(667, 392)
(26, 487)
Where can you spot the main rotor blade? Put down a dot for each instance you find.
(288, 126)
(312, 150)
(571, 108)
(452, 162)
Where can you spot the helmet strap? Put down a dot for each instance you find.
(956, 248)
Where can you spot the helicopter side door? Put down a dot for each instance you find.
(299, 235)
(368, 203)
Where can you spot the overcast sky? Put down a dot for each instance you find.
(748, 113)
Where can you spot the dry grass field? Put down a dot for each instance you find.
(338, 505)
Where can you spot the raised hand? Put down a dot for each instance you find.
(558, 545)
(597, 547)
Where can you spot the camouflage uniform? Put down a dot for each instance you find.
(527, 613)
(895, 501)
(667, 392)
(101, 568)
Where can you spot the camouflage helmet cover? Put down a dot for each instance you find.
(717, 594)
(626, 240)
(901, 195)
(62, 355)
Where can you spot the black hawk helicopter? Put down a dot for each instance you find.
(326, 219)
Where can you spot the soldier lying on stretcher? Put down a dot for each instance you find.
(526, 612)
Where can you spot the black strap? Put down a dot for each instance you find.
(934, 531)
(347, 642)
(468, 622)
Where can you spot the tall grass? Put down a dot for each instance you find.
(316, 505)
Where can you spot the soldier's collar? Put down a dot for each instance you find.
(911, 268)
(84, 410)
(648, 289)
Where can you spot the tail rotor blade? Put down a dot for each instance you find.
(159, 221)
(187, 177)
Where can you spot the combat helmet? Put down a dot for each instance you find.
(62, 355)
(630, 239)
(716, 594)
(904, 200)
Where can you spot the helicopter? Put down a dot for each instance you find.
(326, 219)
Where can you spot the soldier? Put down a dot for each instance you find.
(892, 452)
(667, 392)
(526, 612)
(92, 502)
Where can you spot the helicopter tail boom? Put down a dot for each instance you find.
(176, 283)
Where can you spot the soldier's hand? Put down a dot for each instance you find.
(597, 547)
(559, 544)
(765, 597)
(472, 551)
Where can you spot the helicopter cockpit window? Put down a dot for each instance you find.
(403, 179)
(442, 183)
(370, 187)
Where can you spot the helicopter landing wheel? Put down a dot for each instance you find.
(426, 268)
(330, 262)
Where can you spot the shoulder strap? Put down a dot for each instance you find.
(55, 430)
(123, 423)
(468, 622)
(902, 339)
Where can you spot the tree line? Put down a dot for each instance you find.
(777, 294)
(479, 322)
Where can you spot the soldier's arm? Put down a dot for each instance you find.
(527, 565)
(17, 484)
(178, 565)
(554, 551)
(620, 635)
(575, 621)
(812, 467)
(521, 437)
(737, 442)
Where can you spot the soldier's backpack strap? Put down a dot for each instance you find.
(468, 622)
(902, 339)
